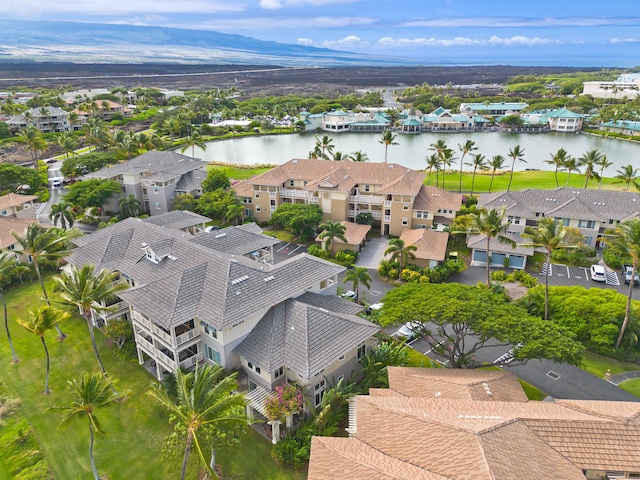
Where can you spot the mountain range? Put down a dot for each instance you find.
(114, 43)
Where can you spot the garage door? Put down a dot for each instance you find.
(479, 256)
(516, 261)
(498, 258)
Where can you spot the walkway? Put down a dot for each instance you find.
(372, 253)
(623, 377)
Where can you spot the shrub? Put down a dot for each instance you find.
(293, 451)
(410, 275)
(499, 276)
(346, 258)
(393, 273)
(612, 260)
(316, 251)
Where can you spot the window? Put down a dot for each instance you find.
(209, 330)
(248, 212)
(362, 351)
(291, 183)
(405, 206)
(421, 225)
(367, 188)
(212, 354)
(258, 370)
(587, 240)
(273, 203)
(278, 373)
(341, 357)
(586, 224)
(252, 385)
(405, 221)
(155, 189)
(304, 183)
(158, 206)
(258, 195)
(565, 222)
(318, 393)
(258, 208)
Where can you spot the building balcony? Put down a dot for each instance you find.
(313, 199)
(115, 309)
(187, 336)
(191, 361)
(376, 214)
(387, 203)
(374, 199)
(288, 192)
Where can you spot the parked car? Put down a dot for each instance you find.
(407, 331)
(598, 273)
(211, 228)
(374, 307)
(349, 294)
(627, 271)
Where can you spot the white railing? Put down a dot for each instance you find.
(162, 334)
(287, 192)
(185, 337)
(377, 214)
(191, 361)
(168, 361)
(143, 342)
(387, 203)
(313, 199)
(365, 199)
(142, 319)
(114, 309)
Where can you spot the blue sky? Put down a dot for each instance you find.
(569, 32)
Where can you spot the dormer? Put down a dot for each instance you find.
(150, 254)
(158, 251)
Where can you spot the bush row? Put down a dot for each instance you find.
(516, 276)
(346, 258)
(413, 273)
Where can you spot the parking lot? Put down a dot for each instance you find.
(285, 250)
(567, 276)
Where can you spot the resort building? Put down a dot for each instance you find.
(340, 121)
(625, 86)
(564, 120)
(45, 119)
(493, 109)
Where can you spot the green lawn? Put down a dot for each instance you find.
(238, 172)
(533, 393)
(600, 366)
(136, 427)
(281, 235)
(631, 386)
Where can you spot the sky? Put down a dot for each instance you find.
(539, 32)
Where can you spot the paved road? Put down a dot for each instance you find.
(372, 253)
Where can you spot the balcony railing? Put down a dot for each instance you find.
(288, 192)
(114, 310)
(185, 337)
(377, 214)
(191, 361)
(313, 199)
(376, 199)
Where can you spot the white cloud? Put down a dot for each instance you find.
(617, 40)
(521, 22)
(276, 4)
(348, 42)
(257, 24)
(305, 41)
(270, 4)
(388, 42)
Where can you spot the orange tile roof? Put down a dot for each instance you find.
(9, 224)
(15, 200)
(432, 244)
(433, 199)
(354, 233)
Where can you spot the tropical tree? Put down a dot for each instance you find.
(325, 144)
(194, 140)
(516, 153)
(387, 138)
(491, 224)
(444, 154)
(559, 160)
(358, 276)
(207, 405)
(375, 363)
(129, 206)
(40, 320)
(496, 163)
(8, 264)
(624, 240)
(67, 142)
(433, 163)
(479, 162)
(91, 393)
(627, 174)
(467, 147)
(62, 215)
(331, 231)
(603, 163)
(400, 252)
(571, 165)
(86, 289)
(174, 125)
(32, 137)
(40, 242)
(234, 212)
(359, 156)
(548, 234)
(589, 160)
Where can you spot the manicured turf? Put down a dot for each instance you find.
(533, 393)
(237, 173)
(600, 366)
(631, 386)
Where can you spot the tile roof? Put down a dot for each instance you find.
(15, 200)
(234, 240)
(177, 219)
(10, 224)
(431, 244)
(157, 166)
(306, 334)
(232, 288)
(479, 241)
(354, 233)
(433, 199)
(191, 181)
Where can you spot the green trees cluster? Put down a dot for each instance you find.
(300, 219)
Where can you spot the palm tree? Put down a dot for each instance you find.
(42, 242)
(87, 290)
(91, 393)
(516, 153)
(603, 163)
(627, 174)
(400, 252)
(338, 155)
(358, 276)
(624, 240)
(67, 143)
(331, 231)
(559, 160)
(206, 398)
(194, 140)
(129, 206)
(496, 163)
(433, 162)
(589, 160)
(62, 215)
(325, 143)
(8, 264)
(491, 224)
(548, 234)
(479, 162)
(359, 156)
(32, 137)
(467, 147)
(173, 125)
(234, 212)
(40, 320)
(444, 154)
(387, 138)
(571, 165)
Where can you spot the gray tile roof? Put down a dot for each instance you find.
(479, 241)
(159, 166)
(235, 240)
(177, 219)
(305, 335)
(191, 181)
(564, 202)
(232, 287)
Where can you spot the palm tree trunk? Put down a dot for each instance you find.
(473, 181)
(627, 312)
(491, 182)
(6, 327)
(488, 262)
(556, 175)
(511, 176)
(87, 316)
(61, 334)
(187, 451)
(460, 179)
(546, 288)
(93, 461)
(46, 378)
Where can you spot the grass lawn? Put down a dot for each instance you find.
(281, 235)
(135, 428)
(631, 386)
(599, 365)
(533, 393)
(238, 173)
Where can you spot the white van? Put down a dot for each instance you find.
(56, 182)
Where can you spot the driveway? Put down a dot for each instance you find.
(372, 253)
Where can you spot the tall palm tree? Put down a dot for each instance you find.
(496, 163)
(62, 215)
(194, 140)
(67, 142)
(40, 320)
(129, 206)
(624, 240)
(468, 146)
(358, 276)
(559, 160)
(325, 144)
(548, 234)
(91, 393)
(8, 264)
(603, 163)
(491, 224)
(47, 243)
(331, 231)
(571, 165)
(443, 153)
(234, 212)
(32, 137)
(589, 160)
(387, 138)
(433, 162)
(87, 289)
(206, 398)
(447, 160)
(400, 252)
(516, 153)
(173, 125)
(479, 162)
(359, 156)
(627, 174)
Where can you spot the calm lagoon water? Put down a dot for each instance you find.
(412, 149)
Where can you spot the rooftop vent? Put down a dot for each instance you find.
(171, 257)
(269, 278)
(239, 279)
(220, 235)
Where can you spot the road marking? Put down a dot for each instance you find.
(586, 273)
(565, 266)
(292, 251)
(611, 278)
(547, 269)
(553, 375)
(431, 349)
(282, 248)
